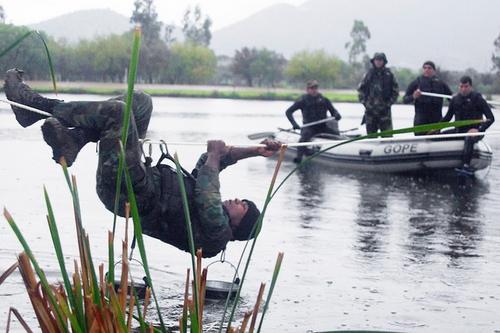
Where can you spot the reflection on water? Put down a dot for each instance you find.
(310, 195)
(371, 218)
(442, 210)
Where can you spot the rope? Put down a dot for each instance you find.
(29, 108)
(424, 93)
(296, 144)
(331, 142)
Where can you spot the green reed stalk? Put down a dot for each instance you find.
(16, 43)
(41, 275)
(54, 232)
(49, 58)
(111, 260)
(132, 73)
(255, 231)
(276, 272)
(86, 247)
(189, 228)
(138, 235)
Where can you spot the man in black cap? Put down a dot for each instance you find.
(468, 105)
(313, 106)
(427, 108)
(159, 200)
(377, 92)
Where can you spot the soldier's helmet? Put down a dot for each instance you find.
(380, 56)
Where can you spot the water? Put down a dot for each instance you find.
(362, 251)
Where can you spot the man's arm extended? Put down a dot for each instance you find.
(408, 97)
(214, 223)
(332, 109)
(289, 113)
(486, 110)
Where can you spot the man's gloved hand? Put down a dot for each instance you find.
(216, 147)
(296, 127)
(271, 147)
(338, 117)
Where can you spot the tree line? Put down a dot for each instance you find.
(164, 59)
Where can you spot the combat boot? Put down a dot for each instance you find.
(18, 91)
(65, 142)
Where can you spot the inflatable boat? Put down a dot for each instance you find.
(393, 155)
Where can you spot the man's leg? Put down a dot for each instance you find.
(371, 123)
(385, 122)
(305, 135)
(68, 142)
(106, 119)
(332, 127)
(420, 119)
(17, 91)
(142, 107)
(469, 142)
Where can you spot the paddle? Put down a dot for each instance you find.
(262, 135)
(424, 93)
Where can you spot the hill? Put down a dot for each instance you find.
(84, 24)
(456, 34)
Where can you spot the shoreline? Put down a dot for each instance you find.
(224, 92)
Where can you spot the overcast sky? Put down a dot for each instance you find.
(222, 12)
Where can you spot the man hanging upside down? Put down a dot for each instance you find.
(74, 124)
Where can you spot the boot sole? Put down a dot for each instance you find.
(56, 137)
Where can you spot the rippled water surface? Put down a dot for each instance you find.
(362, 251)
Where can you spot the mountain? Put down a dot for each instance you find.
(84, 24)
(456, 34)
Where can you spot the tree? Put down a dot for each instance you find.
(258, 66)
(404, 76)
(242, 64)
(169, 34)
(28, 55)
(2, 14)
(154, 50)
(196, 29)
(495, 58)
(317, 65)
(268, 67)
(145, 14)
(357, 46)
(190, 64)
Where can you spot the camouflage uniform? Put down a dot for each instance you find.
(156, 187)
(377, 92)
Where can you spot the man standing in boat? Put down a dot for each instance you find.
(74, 124)
(377, 92)
(314, 106)
(467, 105)
(427, 108)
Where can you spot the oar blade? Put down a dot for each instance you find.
(260, 135)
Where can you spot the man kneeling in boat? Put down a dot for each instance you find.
(74, 124)
(467, 105)
(314, 107)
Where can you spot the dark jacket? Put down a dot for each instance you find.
(313, 109)
(210, 223)
(469, 107)
(378, 89)
(427, 103)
